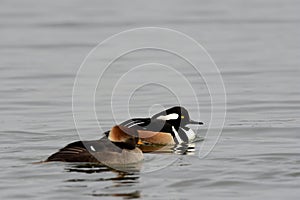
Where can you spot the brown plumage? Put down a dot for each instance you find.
(118, 148)
(159, 138)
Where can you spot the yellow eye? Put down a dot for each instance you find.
(182, 117)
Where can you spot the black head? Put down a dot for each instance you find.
(176, 116)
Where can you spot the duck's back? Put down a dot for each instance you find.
(102, 151)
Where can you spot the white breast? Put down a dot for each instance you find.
(190, 134)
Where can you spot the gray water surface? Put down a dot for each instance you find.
(256, 46)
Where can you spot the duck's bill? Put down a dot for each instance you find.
(195, 122)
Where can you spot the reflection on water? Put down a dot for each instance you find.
(256, 47)
(116, 179)
(130, 195)
(125, 176)
(90, 168)
(185, 149)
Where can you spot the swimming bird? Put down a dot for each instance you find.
(118, 147)
(166, 127)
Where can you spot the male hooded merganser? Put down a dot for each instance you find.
(118, 147)
(166, 127)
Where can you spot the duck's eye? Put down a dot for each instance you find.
(182, 117)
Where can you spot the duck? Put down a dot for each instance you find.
(117, 147)
(167, 127)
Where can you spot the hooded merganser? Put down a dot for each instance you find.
(166, 127)
(118, 147)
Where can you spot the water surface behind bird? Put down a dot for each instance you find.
(256, 47)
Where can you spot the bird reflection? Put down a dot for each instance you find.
(180, 149)
(185, 149)
(130, 195)
(127, 177)
(90, 168)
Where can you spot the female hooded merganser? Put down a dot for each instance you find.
(119, 147)
(166, 127)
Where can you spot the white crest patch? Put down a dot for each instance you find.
(168, 117)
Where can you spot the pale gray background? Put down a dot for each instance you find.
(256, 46)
